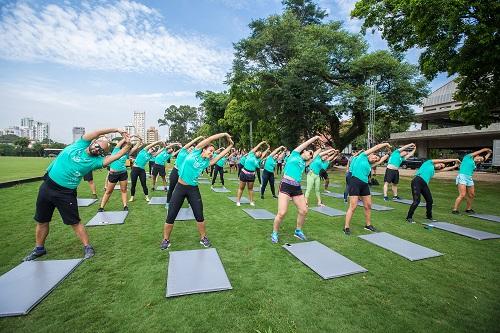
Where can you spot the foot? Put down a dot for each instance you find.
(275, 197)
(321, 205)
(327, 191)
(456, 212)
(152, 188)
(88, 252)
(371, 228)
(205, 242)
(165, 244)
(262, 197)
(430, 220)
(347, 231)
(470, 211)
(125, 208)
(212, 187)
(131, 199)
(238, 204)
(274, 237)
(299, 234)
(100, 210)
(410, 220)
(386, 198)
(36, 253)
(94, 196)
(146, 198)
(252, 204)
(396, 197)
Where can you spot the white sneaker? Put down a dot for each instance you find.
(252, 204)
(147, 198)
(238, 204)
(131, 199)
(211, 187)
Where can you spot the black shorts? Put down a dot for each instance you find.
(391, 176)
(159, 170)
(323, 174)
(290, 190)
(247, 177)
(117, 177)
(88, 177)
(51, 196)
(358, 188)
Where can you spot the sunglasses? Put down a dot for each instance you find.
(100, 150)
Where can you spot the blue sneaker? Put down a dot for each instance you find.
(274, 237)
(300, 235)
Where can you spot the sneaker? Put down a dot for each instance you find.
(299, 234)
(131, 199)
(275, 197)
(147, 198)
(274, 237)
(396, 197)
(212, 187)
(36, 253)
(238, 204)
(88, 252)
(347, 231)
(456, 212)
(328, 191)
(125, 208)
(165, 244)
(205, 242)
(386, 198)
(252, 204)
(262, 197)
(470, 211)
(430, 220)
(153, 188)
(371, 228)
(94, 196)
(100, 210)
(409, 220)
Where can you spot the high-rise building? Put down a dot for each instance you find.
(27, 122)
(78, 132)
(152, 135)
(130, 129)
(42, 131)
(140, 124)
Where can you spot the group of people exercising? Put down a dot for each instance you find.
(77, 160)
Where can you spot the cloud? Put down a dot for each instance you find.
(120, 36)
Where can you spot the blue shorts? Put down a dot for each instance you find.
(464, 180)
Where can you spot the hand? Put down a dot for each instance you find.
(230, 140)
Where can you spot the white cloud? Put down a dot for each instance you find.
(120, 36)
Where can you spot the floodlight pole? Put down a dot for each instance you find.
(251, 134)
(370, 140)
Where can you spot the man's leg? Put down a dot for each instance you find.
(80, 231)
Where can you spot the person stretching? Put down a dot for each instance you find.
(159, 167)
(313, 179)
(324, 166)
(465, 184)
(219, 167)
(420, 185)
(290, 189)
(392, 171)
(247, 175)
(138, 169)
(187, 187)
(268, 173)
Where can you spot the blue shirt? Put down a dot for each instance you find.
(295, 166)
(251, 162)
(142, 158)
(193, 166)
(120, 164)
(162, 157)
(270, 164)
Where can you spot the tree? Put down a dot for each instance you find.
(23, 143)
(457, 36)
(38, 148)
(183, 122)
(296, 80)
(8, 138)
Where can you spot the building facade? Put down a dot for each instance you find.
(152, 135)
(78, 132)
(140, 124)
(439, 132)
(130, 129)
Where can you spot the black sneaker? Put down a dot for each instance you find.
(409, 220)
(35, 254)
(88, 252)
(347, 231)
(165, 244)
(100, 210)
(275, 197)
(125, 208)
(371, 228)
(430, 220)
(152, 188)
(456, 212)
(470, 211)
(94, 196)
(262, 197)
(205, 242)
(386, 198)
(396, 197)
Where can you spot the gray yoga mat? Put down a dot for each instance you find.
(404, 248)
(205, 182)
(85, 202)
(27, 284)
(243, 200)
(467, 232)
(195, 271)
(408, 202)
(375, 193)
(185, 214)
(323, 260)
(256, 188)
(220, 190)
(158, 201)
(334, 185)
(328, 211)
(117, 187)
(107, 218)
(376, 207)
(161, 188)
(260, 214)
(487, 217)
(334, 195)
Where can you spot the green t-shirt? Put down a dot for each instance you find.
(243, 160)
(120, 164)
(325, 165)
(353, 159)
(181, 156)
(193, 166)
(295, 166)
(220, 162)
(316, 165)
(361, 167)
(467, 166)
(152, 159)
(142, 158)
(251, 162)
(72, 163)
(162, 157)
(426, 171)
(395, 158)
(270, 164)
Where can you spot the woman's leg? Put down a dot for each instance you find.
(367, 206)
(271, 183)
(353, 203)
(214, 177)
(310, 185)
(426, 193)
(241, 187)
(142, 178)
(462, 193)
(316, 185)
(173, 209)
(133, 177)
(250, 192)
(282, 210)
(415, 192)
(172, 181)
(109, 190)
(265, 180)
(123, 191)
(257, 172)
(221, 171)
(300, 203)
(471, 193)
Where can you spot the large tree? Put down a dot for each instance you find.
(183, 122)
(297, 76)
(457, 37)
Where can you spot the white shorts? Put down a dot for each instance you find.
(464, 180)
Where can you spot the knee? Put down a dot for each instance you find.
(472, 195)
(108, 192)
(281, 215)
(124, 191)
(367, 206)
(462, 195)
(302, 211)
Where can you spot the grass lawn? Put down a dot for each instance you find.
(122, 289)
(14, 168)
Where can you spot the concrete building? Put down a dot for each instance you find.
(140, 124)
(27, 122)
(42, 131)
(78, 132)
(152, 135)
(438, 131)
(130, 129)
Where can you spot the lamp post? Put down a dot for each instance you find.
(370, 140)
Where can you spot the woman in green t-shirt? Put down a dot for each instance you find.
(313, 178)
(247, 174)
(392, 171)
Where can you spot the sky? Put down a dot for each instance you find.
(93, 63)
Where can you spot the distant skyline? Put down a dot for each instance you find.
(93, 63)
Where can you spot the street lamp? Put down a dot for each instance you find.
(370, 140)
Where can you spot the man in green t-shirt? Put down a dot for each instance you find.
(63, 177)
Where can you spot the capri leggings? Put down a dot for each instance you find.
(220, 170)
(193, 196)
(141, 174)
(420, 187)
(172, 181)
(313, 182)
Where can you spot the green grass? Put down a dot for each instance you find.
(14, 168)
(122, 289)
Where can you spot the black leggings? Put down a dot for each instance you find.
(420, 187)
(240, 166)
(218, 169)
(257, 170)
(172, 181)
(151, 164)
(279, 168)
(141, 173)
(181, 192)
(348, 176)
(267, 177)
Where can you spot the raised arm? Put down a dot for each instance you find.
(224, 152)
(121, 142)
(207, 141)
(452, 167)
(137, 145)
(304, 145)
(151, 145)
(446, 160)
(410, 154)
(276, 151)
(264, 153)
(111, 158)
(480, 151)
(192, 142)
(327, 152)
(333, 156)
(403, 148)
(488, 154)
(95, 134)
(377, 148)
(258, 146)
(382, 160)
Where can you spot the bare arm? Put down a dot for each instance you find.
(316, 152)
(222, 153)
(377, 148)
(326, 152)
(258, 146)
(446, 160)
(406, 147)
(192, 142)
(137, 145)
(454, 166)
(95, 134)
(410, 154)
(304, 145)
(480, 151)
(208, 140)
(382, 160)
(111, 158)
(151, 145)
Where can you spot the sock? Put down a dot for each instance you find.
(40, 248)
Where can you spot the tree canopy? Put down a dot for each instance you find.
(457, 37)
(183, 122)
